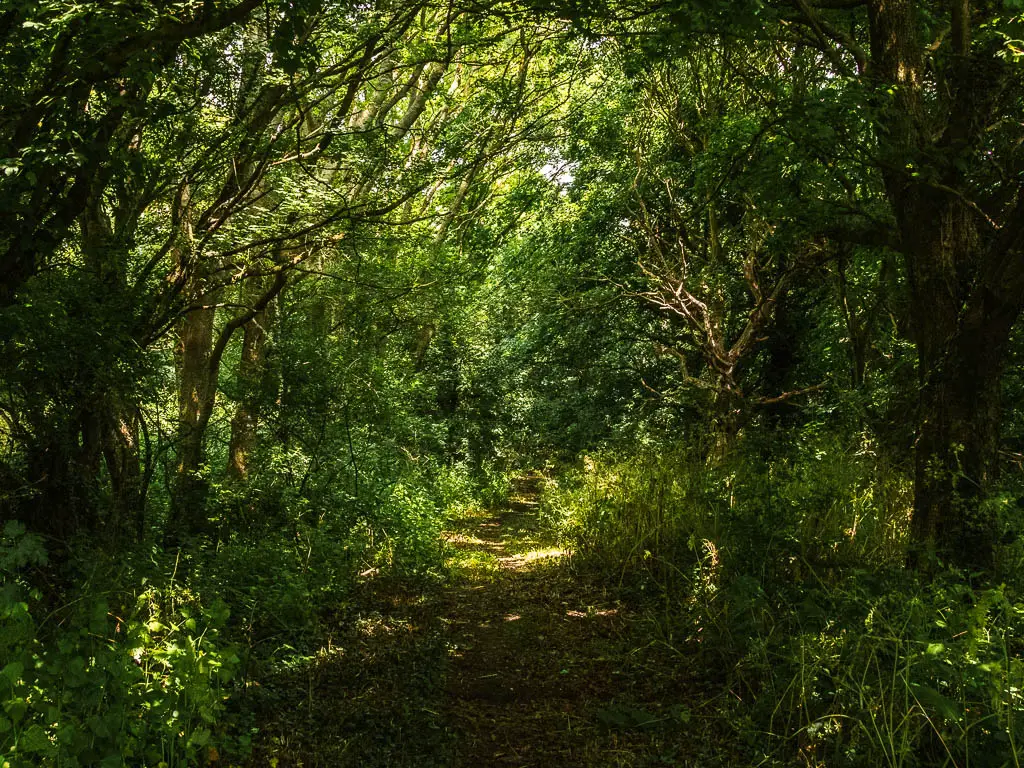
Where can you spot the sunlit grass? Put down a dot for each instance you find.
(592, 612)
(462, 539)
(472, 564)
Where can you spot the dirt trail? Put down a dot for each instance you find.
(513, 661)
(533, 652)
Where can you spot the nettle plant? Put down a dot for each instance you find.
(108, 679)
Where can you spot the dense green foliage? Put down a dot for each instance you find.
(286, 284)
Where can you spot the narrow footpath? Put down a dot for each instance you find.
(533, 651)
(514, 661)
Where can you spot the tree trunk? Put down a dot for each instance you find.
(199, 356)
(196, 395)
(964, 297)
(860, 339)
(961, 328)
(111, 425)
(252, 375)
(962, 343)
(961, 347)
(124, 466)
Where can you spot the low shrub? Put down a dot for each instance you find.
(112, 676)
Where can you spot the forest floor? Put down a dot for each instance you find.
(514, 660)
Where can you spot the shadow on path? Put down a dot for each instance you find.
(532, 651)
(513, 661)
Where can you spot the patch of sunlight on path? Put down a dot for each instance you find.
(532, 649)
(515, 659)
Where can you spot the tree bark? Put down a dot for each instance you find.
(252, 375)
(960, 363)
(124, 466)
(199, 354)
(964, 297)
(196, 396)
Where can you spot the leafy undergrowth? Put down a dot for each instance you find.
(785, 592)
(526, 655)
(515, 659)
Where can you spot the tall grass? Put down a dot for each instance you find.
(784, 578)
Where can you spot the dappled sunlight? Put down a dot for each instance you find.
(472, 562)
(465, 540)
(591, 613)
(366, 695)
(534, 652)
(611, 383)
(377, 626)
(526, 558)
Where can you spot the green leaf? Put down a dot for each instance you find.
(34, 739)
(200, 738)
(933, 701)
(16, 709)
(934, 649)
(13, 671)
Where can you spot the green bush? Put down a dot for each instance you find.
(406, 535)
(453, 488)
(113, 677)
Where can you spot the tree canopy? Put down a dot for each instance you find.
(286, 284)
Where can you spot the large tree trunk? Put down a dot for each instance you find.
(960, 363)
(964, 276)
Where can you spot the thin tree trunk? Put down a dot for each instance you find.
(859, 337)
(200, 352)
(124, 466)
(196, 396)
(252, 375)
